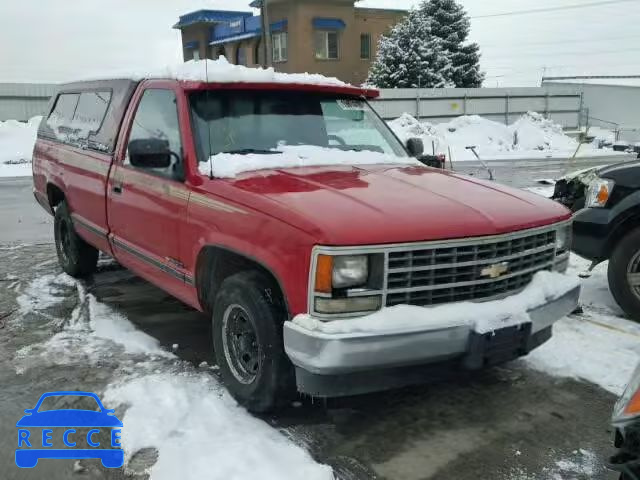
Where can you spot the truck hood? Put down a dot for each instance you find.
(380, 204)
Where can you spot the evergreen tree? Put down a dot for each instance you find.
(451, 24)
(431, 43)
(410, 56)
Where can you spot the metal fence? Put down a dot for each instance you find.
(504, 105)
(21, 101)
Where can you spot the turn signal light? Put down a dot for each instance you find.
(324, 273)
(603, 195)
(633, 407)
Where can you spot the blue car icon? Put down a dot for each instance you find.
(28, 452)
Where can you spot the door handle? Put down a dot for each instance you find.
(117, 188)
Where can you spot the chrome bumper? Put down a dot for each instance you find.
(324, 354)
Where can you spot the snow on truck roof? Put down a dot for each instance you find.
(222, 72)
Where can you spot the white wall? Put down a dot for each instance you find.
(504, 105)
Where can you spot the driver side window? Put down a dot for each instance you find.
(156, 129)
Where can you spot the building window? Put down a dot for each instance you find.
(196, 55)
(365, 46)
(326, 45)
(280, 47)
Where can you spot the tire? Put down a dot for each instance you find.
(76, 257)
(248, 343)
(624, 260)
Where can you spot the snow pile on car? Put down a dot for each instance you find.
(17, 140)
(230, 165)
(531, 136)
(221, 71)
(487, 317)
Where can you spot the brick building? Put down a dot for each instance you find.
(331, 37)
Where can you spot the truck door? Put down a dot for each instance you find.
(147, 199)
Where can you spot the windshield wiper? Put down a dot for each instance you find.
(247, 151)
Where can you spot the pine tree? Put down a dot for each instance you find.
(431, 43)
(410, 56)
(450, 23)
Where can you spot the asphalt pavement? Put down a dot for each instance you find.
(507, 423)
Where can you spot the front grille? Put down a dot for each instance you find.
(454, 273)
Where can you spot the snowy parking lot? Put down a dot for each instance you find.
(545, 417)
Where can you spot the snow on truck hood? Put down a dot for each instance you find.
(379, 204)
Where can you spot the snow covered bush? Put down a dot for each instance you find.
(428, 49)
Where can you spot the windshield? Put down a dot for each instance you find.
(245, 122)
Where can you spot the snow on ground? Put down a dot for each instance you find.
(226, 165)
(17, 140)
(599, 346)
(531, 136)
(183, 412)
(581, 464)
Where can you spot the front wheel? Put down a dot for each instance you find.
(76, 257)
(624, 274)
(248, 344)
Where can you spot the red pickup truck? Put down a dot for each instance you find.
(325, 254)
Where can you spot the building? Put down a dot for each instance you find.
(331, 37)
(610, 102)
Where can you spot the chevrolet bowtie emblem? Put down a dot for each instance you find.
(495, 271)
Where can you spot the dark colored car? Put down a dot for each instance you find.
(626, 421)
(609, 229)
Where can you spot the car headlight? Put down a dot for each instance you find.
(350, 271)
(347, 284)
(628, 406)
(599, 192)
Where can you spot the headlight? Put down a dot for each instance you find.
(346, 284)
(599, 192)
(350, 271)
(563, 239)
(628, 406)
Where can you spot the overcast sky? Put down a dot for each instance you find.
(58, 40)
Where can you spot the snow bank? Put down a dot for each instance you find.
(231, 165)
(531, 136)
(598, 346)
(221, 71)
(486, 317)
(195, 423)
(17, 140)
(184, 413)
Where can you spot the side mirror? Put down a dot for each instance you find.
(415, 147)
(150, 153)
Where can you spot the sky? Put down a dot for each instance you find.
(59, 40)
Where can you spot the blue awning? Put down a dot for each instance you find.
(329, 24)
(192, 45)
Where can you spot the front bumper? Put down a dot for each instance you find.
(319, 357)
(591, 228)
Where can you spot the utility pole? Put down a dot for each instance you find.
(266, 35)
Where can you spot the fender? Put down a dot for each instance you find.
(290, 269)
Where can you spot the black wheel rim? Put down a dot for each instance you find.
(64, 235)
(240, 343)
(633, 275)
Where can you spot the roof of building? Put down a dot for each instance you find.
(210, 16)
(607, 80)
